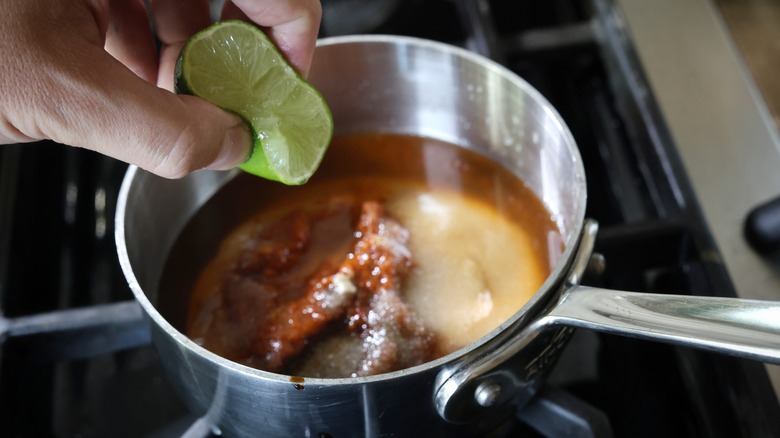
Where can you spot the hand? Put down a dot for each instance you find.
(86, 73)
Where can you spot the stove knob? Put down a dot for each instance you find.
(762, 227)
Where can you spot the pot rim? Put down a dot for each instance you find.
(549, 286)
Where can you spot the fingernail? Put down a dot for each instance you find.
(235, 148)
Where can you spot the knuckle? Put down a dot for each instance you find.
(179, 158)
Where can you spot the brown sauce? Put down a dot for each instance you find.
(401, 249)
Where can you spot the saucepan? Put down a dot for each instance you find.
(412, 86)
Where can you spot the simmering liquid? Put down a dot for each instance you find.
(401, 249)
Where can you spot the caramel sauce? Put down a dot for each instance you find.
(297, 382)
(471, 247)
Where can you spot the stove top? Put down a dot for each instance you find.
(75, 353)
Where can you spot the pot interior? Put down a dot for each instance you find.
(372, 84)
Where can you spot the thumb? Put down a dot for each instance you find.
(108, 109)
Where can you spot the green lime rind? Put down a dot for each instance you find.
(235, 66)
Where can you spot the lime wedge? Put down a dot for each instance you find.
(234, 65)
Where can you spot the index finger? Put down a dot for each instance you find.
(175, 21)
(293, 25)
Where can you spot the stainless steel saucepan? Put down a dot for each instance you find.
(412, 86)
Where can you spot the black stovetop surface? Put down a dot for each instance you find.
(75, 358)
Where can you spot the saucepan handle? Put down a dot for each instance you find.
(478, 380)
(740, 327)
(744, 328)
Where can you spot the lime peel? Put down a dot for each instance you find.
(235, 66)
